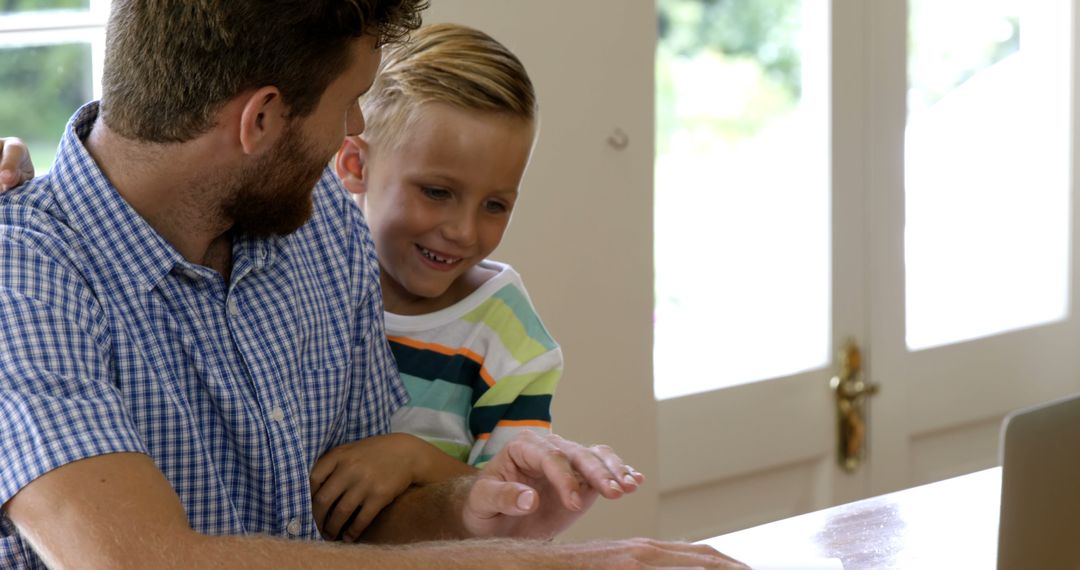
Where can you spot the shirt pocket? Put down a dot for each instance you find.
(323, 418)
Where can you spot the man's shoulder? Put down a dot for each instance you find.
(28, 202)
(337, 229)
(39, 251)
(31, 219)
(333, 205)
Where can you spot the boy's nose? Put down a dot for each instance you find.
(461, 230)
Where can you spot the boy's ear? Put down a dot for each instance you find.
(351, 164)
(262, 120)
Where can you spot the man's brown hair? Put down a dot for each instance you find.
(171, 64)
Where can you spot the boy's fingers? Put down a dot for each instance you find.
(536, 455)
(626, 477)
(343, 510)
(636, 475)
(7, 155)
(15, 165)
(8, 177)
(600, 467)
(490, 498)
(323, 468)
(323, 501)
(561, 474)
(372, 506)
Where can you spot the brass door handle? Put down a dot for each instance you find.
(851, 392)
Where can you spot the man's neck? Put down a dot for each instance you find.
(171, 187)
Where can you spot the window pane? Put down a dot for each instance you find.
(742, 198)
(12, 6)
(986, 168)
(40, 88)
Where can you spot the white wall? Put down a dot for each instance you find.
(582, 233)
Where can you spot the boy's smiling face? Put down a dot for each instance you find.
(439, 201)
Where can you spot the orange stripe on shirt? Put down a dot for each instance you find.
(484, 374)
(516, 423)
(438, 348)
(524, 423)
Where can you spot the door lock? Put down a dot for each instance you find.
(851, 392)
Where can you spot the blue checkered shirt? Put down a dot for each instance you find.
(110, 341)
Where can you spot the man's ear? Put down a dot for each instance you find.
(262, 120)
(351, 164)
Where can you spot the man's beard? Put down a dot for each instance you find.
(273, 197)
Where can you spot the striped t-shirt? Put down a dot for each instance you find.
(478, 372)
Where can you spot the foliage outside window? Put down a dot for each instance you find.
(741, 204)
(47, 55)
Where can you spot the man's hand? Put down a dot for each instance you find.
(15, 164)
(538, 485)
(638, 553)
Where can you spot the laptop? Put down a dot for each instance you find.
(1040, 487)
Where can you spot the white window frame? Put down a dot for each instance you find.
(55, 27)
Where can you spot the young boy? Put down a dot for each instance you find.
(451, 122)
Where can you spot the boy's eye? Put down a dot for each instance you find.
(495, 207)
(435, 193)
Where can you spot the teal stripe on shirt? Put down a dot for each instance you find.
(457, 368)
(526, 315)
(437, 394)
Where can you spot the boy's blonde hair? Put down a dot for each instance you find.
(445, 63)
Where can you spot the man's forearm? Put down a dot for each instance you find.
(267, 552)
(427, 512)
(256, 552)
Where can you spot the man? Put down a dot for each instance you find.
(187, 325)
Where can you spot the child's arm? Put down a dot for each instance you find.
(520, 401)
(369, 474)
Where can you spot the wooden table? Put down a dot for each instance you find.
(948, 524)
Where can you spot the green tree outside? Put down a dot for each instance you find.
(756, 36)
(12, 6)
(41, 86)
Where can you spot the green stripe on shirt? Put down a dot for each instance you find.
(508, 388)
(459, 451)
(514, 335)
(526, 315)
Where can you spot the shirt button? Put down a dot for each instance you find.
(277, 414)
(293, 527)
(234, 309)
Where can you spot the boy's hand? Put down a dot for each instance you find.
(15, 164)
(368, 475)
(537, 485)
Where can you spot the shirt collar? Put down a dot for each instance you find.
(97, 211)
